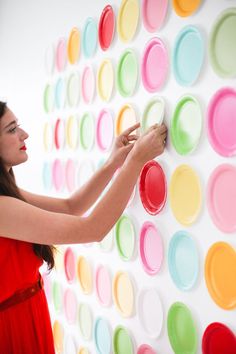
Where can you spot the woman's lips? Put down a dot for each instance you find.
(23, 148)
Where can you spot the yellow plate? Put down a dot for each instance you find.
(58, 335)
(85, 275)
(73, 46)
(185, 8)
(72, 132)
(126, 118)
(48, 137)
(105, 80)
(123, 294)
(127, 20)
(185, 195)
(220, 271)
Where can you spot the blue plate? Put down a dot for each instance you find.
(90, 38)
(102, 336)
(183, 260)
(188, 56)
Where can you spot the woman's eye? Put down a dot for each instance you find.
(13, 130)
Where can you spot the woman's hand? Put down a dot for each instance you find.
(150, 144)
(123, 145)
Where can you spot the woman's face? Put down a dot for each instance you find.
(12, 140)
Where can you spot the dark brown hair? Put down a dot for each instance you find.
(8, 187)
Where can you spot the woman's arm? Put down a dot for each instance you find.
(22, 221)
(80, 201)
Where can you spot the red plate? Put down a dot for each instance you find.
(152, 187)
(106, 27)
(218, 339)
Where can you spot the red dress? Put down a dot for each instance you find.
(25, 328)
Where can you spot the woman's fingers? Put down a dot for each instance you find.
(131, 129)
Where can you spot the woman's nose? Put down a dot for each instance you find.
(23, 134)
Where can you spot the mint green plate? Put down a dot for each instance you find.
(87, 131)
(223, 44)
(186, 125)
(181, 329)
(125, 237)
(127, 73)
(122, 343)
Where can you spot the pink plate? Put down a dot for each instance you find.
(154, 13)
(58, 175)
(154, 65)
(222, 121)
(151, 248)
(70, 306)
(88, 84)
(70, 175)
(145, 349)
(69, 265)
(103, 286)
(221, 192)
(104, 130)
(61, 54)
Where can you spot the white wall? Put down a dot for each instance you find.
(26, 29)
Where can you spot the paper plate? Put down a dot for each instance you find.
(49, 60)
(220, 268)
(222, 44)
(153, 113)
(154, 65)
(70, 175)
(183, 260)
(106, 244)
(151, 248)
(87, 131)
(106, 27)
(70, 306)
(48, 98)
(85, 321)
(57, 296)
(60, 93)
(84, 272)
(125, 237)
(188, 56)
(127, 20)
(88, 84)
(70, 345)
(181, 328)
(153, 14)
(146, 349)
(58, 335)
(123, 294)
(186, 125)
(72, 132)
(186, 8)
(127, 73)
(152, 187)
(150, 312)
(59, 134)
(221, 122)
(61, 55)
(104, 130)
(85, 170)
(73, 88)
(122, 341)
(69, 264)
(221, 201)
(103, 285)
(218, 339)
(102, 336)
(48, 138)
(83, 351)
(105, 80)
(73, 46)
(90, 38)
(185, 195)
(125, 118)
(58, 175)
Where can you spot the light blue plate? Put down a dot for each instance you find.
(47, 176)
(90, 38)
(102, 336)
(188, 55)
(183, 260)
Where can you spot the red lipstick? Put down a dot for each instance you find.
(23, 148)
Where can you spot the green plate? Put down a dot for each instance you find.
(186, 125)
(153, 113)
(87, 131)
(181, 329)
(125, 237)
(127, 73)
(223, 44)
(122, 343)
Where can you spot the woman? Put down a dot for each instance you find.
(30, 223)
